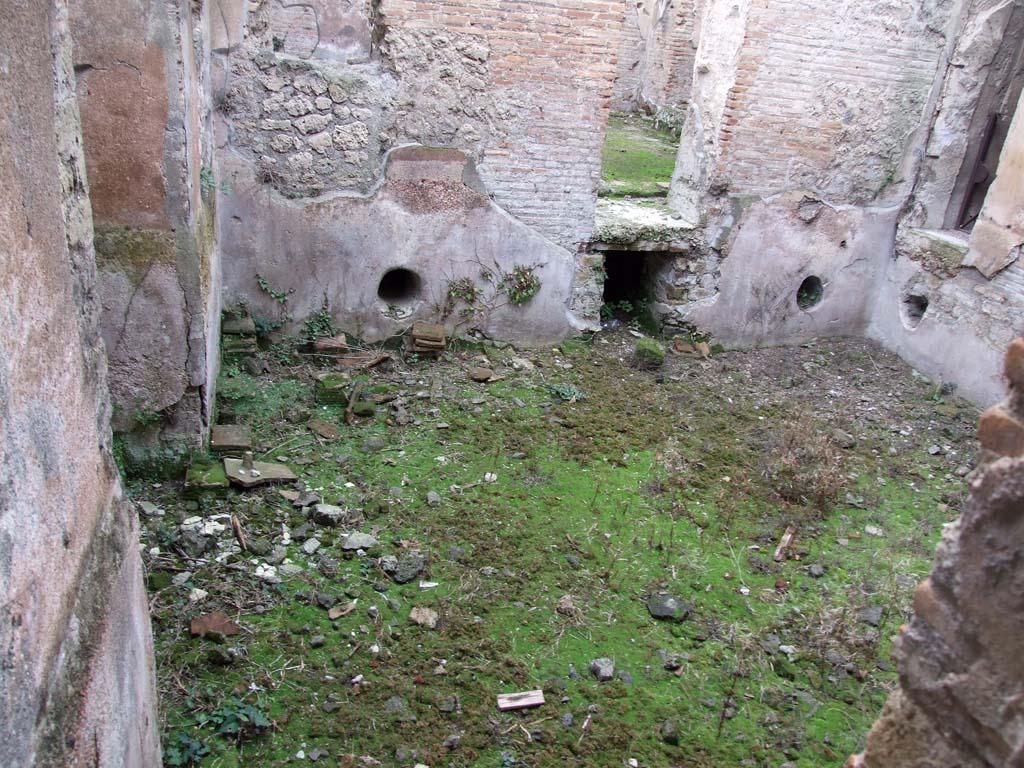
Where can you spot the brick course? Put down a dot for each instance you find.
(826, 95)
(556, 62)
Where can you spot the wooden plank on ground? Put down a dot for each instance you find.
(525, 700)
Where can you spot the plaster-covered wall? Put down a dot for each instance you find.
(973, 283)
(831, 170)
(76, 682)
(783, 240)
(429, 214)
(141, 81)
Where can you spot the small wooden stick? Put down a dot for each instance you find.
(350, 416)
(239, 533)
(784, 544)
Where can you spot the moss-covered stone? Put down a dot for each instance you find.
(144, 454)
(332, 389)
(364, 409)
(649, 354)
(205, 476)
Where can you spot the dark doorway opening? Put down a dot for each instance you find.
(630, 285)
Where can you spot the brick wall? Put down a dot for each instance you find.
(671, 49)
(656, 55)
(629, 66)
(827, 94)
(554, 64)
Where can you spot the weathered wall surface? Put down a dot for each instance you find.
(790, 156)
(141, 83)
(961, 671)
(659, 44)
(76, 679)
(759, 281)
(522, 89)
(628, 70)
(877, 139)
(429, 215)
(977, 74)
(973, 284)
(819, 104)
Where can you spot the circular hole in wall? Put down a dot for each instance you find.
(810, 292)
(398, 287)
(914, 307)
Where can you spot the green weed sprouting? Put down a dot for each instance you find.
(236, 718)
(520, 285)
(183, 750)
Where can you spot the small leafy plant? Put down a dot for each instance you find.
(183, 750)
(281, 297)
(612, 308)
(462, 291)
(319, 324)
(567, 392)
(236, 718)
(147, 417)
(208, 181)
(520, 285)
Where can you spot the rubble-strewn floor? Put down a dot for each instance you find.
(553, 524)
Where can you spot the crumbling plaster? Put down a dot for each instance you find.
(743, 182)
(655, 59)
(77, 684)
(141, 81)
(523, 92)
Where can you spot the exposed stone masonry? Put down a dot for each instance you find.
(961, 672)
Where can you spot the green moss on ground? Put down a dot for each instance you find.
(637, 157)
(652, 482)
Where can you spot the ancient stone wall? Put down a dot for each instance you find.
(659, 43)
(628, 70)
(522, 90)
(820, 103)
(76, 679)
(970, 286)
(961, 673)
(141, 70)
(810, 152)
(670, 54)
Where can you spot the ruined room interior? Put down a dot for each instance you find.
(512, 383)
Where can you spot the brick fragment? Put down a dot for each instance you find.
(1014, 366)
(1001, 433)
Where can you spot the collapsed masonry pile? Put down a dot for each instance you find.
(961, 695)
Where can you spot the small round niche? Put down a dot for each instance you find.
(810, 293)
(914, 308)
(399, 287)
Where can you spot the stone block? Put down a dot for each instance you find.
(230, 439)
(1014, 367)
(1001, 433)
(332, 389)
